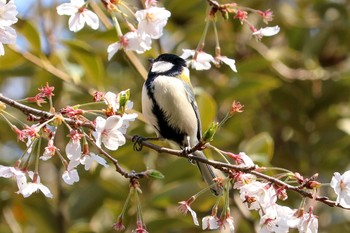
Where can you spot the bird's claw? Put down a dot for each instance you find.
(186, 150)
(138, 142)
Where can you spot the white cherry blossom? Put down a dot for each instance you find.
(79, 15)
(308, 223)
(185, 207)
(70, 176)
(135, 41)
(210, 223)
(111, 99)
(200, 60)
(8, 13)
(29, 188)
(228, 61)
(341, 186)
(13, 172)
(228, 222)
(88, 159)
(108, 132)
(267, 31)
(258, 195)
(275, 219)
(73, 151)
(152, 21)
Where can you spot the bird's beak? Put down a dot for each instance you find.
(151, 60)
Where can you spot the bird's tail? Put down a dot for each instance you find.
(208, 174)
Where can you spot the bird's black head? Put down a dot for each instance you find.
(167, 64)
(172, 58)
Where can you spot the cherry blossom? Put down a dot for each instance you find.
(73, 151)
(127, 118)
(242, 159)
(258, 195)
(267, 31)
(108, 132)
(79, 15)
(135, 41)
(13, 172)
(200, 60)
(47, 91)
(185, 207)
(341, 186)
(70, 176)
(49, 151)
(308, 223)
(275, 219)
(242, 179)
(152, 21)
(29, 188)
(88, 159)
(111, 99)
(227, 222)
(210, 222)
(8, 14)
(228, 61)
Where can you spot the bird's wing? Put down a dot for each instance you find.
(192, 100)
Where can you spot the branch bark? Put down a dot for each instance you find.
(132, 175)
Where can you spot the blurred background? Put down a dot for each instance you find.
(294, 87)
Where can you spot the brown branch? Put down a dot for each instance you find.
(40, 114)
(129, 175)
(225, 167)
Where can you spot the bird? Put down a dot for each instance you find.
(169, 105)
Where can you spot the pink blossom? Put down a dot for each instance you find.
(47, 91)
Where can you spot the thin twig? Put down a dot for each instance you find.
(225, 167)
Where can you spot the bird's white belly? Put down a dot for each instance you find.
(172, 99)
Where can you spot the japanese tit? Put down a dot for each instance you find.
(169, 105)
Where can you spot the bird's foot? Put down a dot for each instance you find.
(137, 140)
(186, 151)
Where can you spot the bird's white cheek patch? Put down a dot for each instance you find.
(161, 66)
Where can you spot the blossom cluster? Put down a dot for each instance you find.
(8, 17)
(263, 196)
(200, 60)
(151, 22)
(108, 131)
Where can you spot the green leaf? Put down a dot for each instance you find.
(87, 58)
(207, 107)
(31, 33)
(155, 174)
(260, 148)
